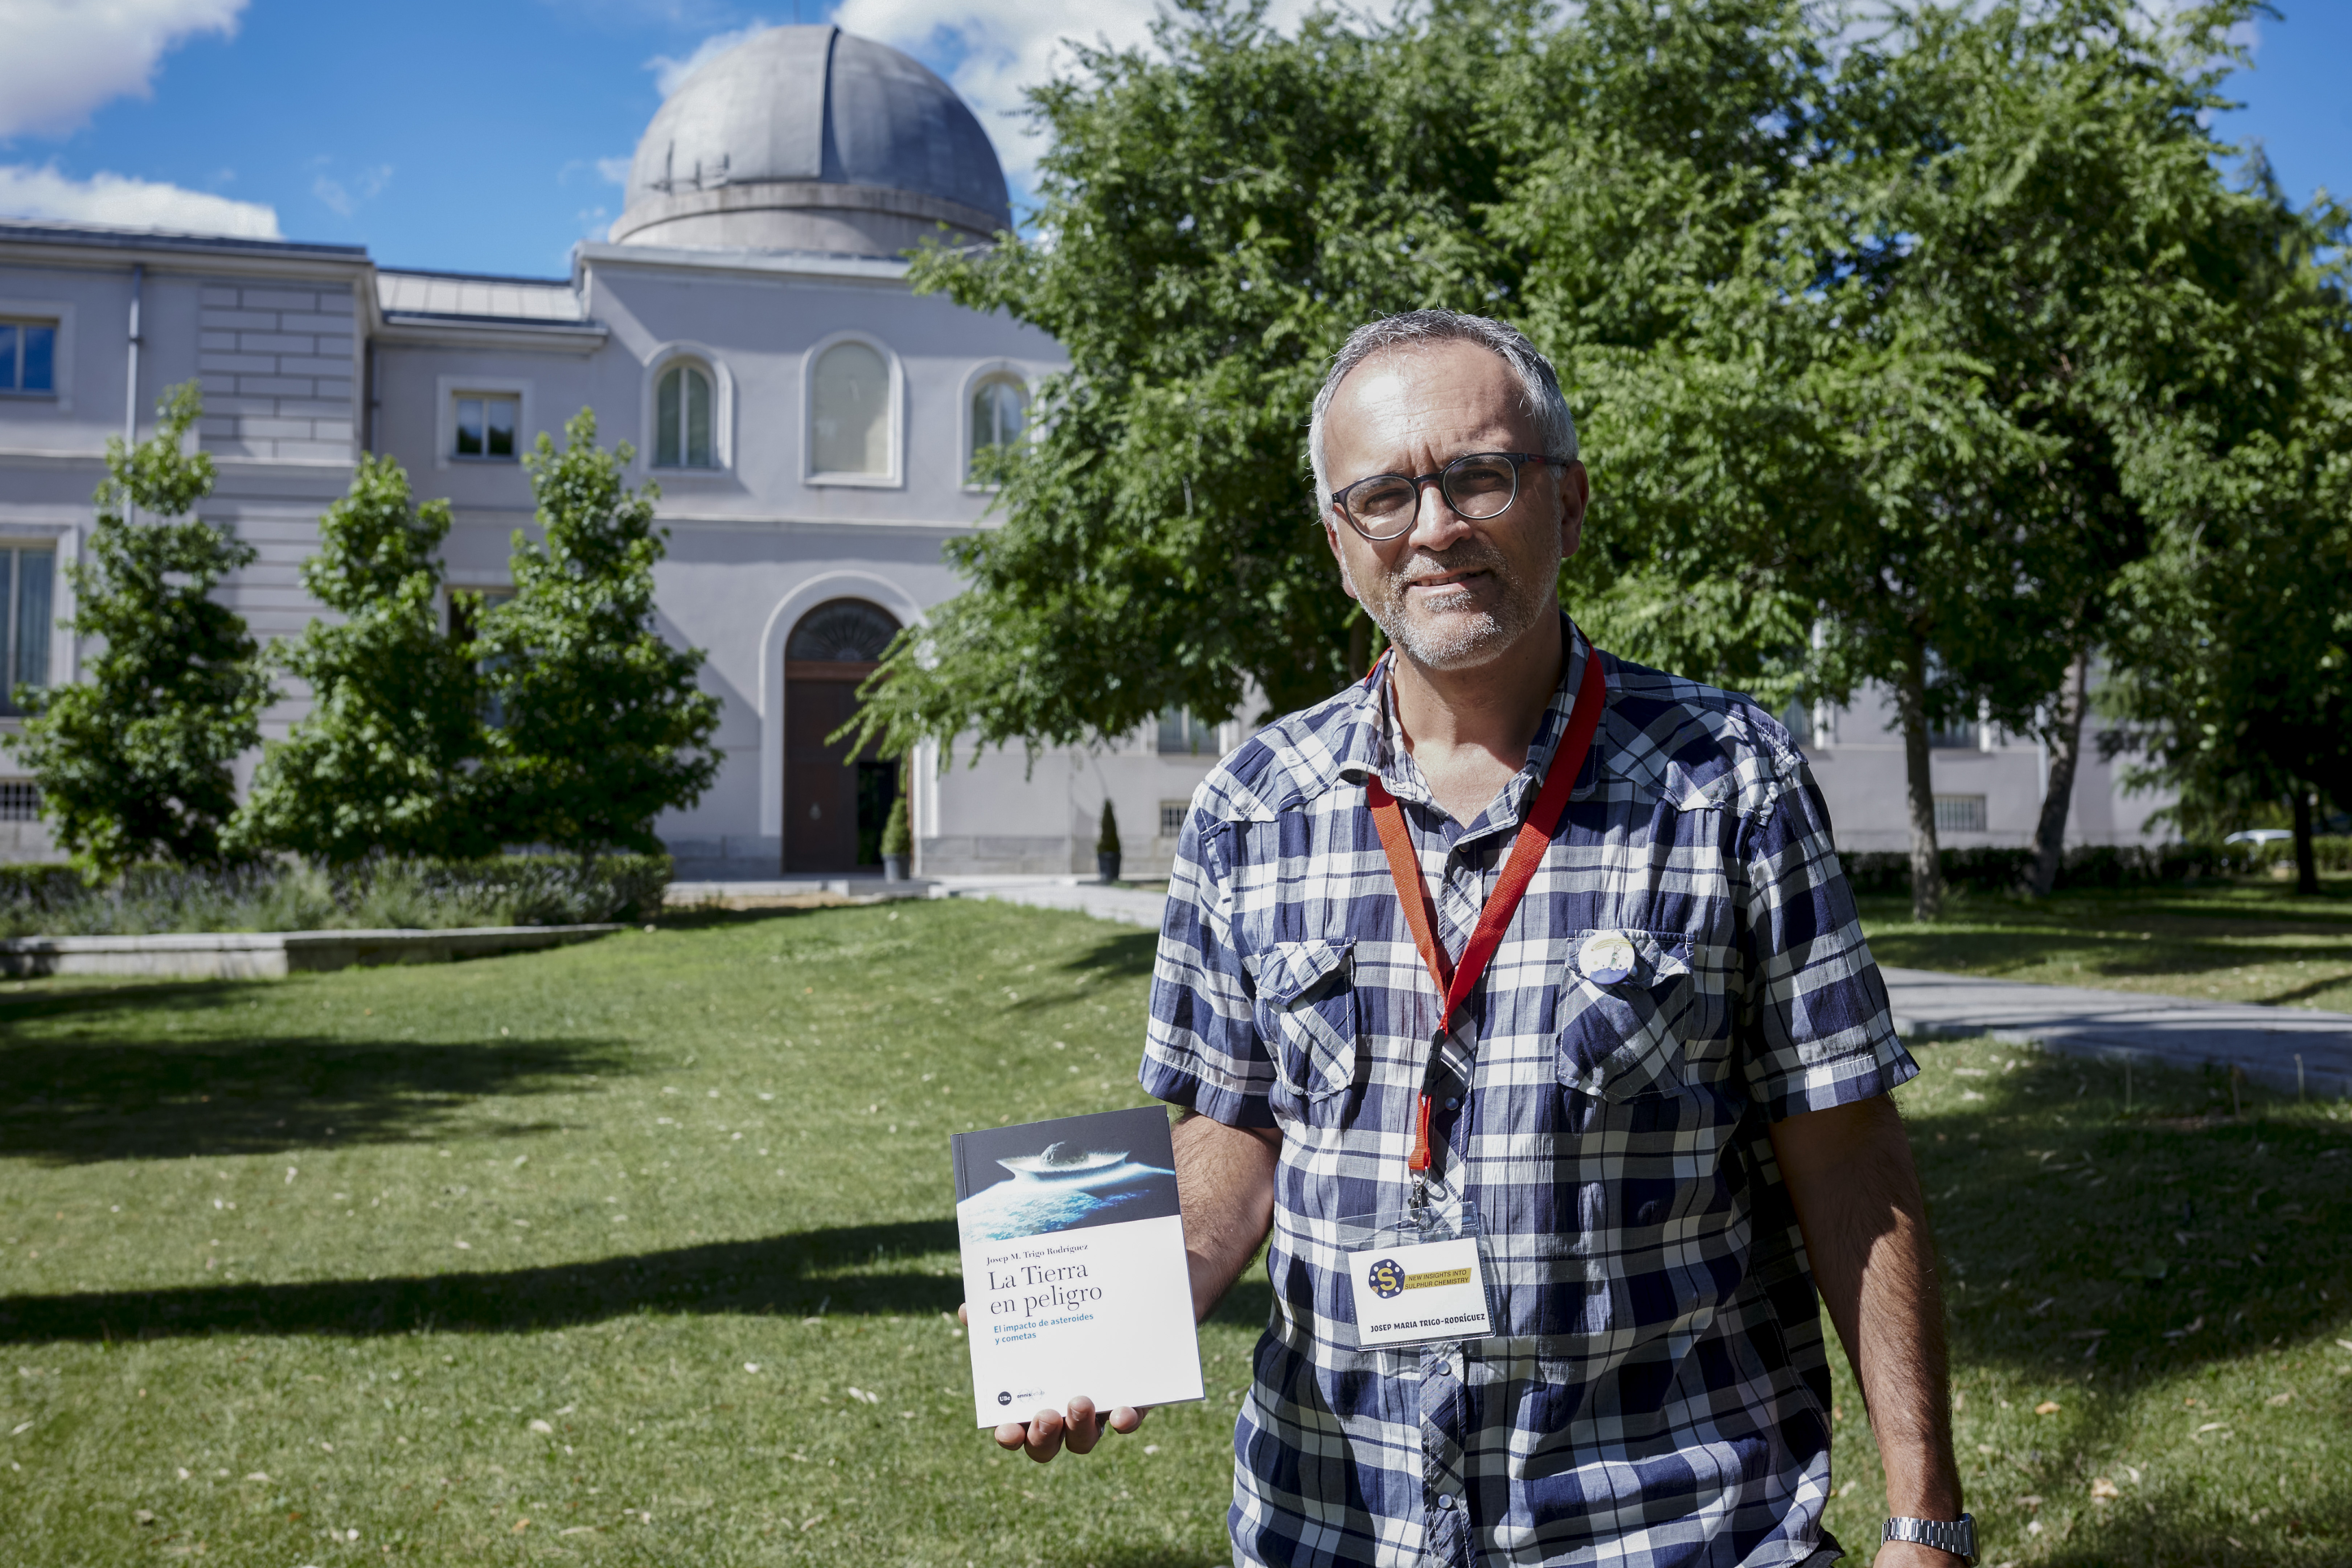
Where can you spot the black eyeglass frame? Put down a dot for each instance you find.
(1518, 460)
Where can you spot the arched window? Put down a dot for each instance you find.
(1000, 404)
(682, 420)
(842, 631)
(849, 419)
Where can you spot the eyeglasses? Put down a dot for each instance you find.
(1477, 486)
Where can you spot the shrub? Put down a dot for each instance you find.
(379, 893)
(1887, 873)
(383, 759)
(134, 760)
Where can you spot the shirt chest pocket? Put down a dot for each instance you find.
(1631, 1003)
(1307, 1014)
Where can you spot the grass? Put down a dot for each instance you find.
(2150, 1313)
(2232, 941)
(576, 1256)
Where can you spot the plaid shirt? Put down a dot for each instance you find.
(1657, 1388)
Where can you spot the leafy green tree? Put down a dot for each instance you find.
(602, 725)
(1218, 212)
(1860, 337)
(2231, 663)
(386, 759)
(1908, 410)
(134, 760)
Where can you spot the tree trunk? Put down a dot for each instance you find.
(1926, 869)
(2307, 863)
(2065, 743)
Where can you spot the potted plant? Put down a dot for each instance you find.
(1107, 845)
(898, 837)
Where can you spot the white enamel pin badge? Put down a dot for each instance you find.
(1606, 957)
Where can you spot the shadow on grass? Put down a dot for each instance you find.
(66, 1101)
(710, 917)
(2140, 1246)
(832, 1271)
(1127, 956)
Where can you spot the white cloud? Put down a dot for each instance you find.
(1006, 48)
(124, 203)
(65, 58)
(669, 72)
(613, 170)
(344, 198)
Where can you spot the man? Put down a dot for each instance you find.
(1656, 1107)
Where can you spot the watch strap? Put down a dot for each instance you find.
(1957, 1536)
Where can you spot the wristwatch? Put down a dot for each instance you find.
(1957, 1536)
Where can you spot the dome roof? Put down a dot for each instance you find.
(810, 138)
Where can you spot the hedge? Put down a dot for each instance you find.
(2331, 850)
(380, 894)
(1993, 870)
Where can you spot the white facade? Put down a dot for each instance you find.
(1988, 785)
(809, 419)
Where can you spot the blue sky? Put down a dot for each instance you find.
(484, 136)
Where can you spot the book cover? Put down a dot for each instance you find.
(1073, 1265)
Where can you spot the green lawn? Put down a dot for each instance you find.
(2235, 941)
(578, 1255)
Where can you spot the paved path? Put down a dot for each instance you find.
(1127, 906)
(2114, 1025)
(2072, 1020)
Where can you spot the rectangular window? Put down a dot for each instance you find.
(1172, 817)
(28, 357)
(1960, 813)
(486, 426)
(1182, 734)
(27, 578)
(20, 801)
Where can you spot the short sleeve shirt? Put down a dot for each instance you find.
(1657, 1389)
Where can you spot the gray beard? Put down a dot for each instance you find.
(1460, 639)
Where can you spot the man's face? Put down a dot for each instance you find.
(1451, 592)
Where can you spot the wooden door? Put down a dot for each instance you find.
(820, 776)
(834, 803)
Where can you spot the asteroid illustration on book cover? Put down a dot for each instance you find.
(1066, 1174)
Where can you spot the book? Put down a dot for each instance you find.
(1074, 1269)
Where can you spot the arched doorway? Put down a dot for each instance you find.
(834, 803)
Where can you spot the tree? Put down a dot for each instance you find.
(386, 759)
(1217, 212)
(134, 760)
(1906, 410)
(2232, 669)
(1854, 324)
(603, 726)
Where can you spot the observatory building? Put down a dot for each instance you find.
(747, 327)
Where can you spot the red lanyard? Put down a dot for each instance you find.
(1455, 981)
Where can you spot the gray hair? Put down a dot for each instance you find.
(1538, 383)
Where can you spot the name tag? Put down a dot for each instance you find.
(1416, 1294)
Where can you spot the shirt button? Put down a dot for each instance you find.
(1445, 1502)
(1452, 1105)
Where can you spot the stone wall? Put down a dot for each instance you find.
(278, 363)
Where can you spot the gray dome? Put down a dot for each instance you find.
(813, 139)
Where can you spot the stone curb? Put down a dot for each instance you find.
(271, 955)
